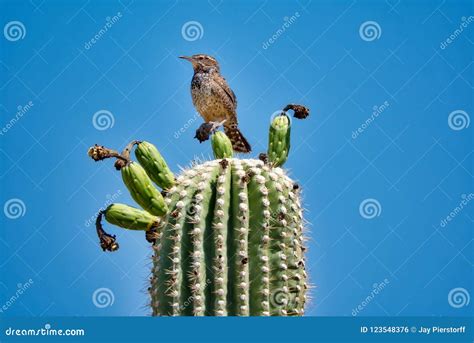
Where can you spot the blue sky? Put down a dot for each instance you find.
(390, 99)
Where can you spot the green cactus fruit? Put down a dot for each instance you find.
(279, 140)
(142, 190)
(154, 164)
(221, 145)
(131, 218)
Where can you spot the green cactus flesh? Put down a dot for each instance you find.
(227, 234)
(231, 244)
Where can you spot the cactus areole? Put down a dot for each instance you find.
(227, 234)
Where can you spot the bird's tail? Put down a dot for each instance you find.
(239, 143)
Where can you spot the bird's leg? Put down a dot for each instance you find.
(206, 129)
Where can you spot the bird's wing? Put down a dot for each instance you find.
(225, 87)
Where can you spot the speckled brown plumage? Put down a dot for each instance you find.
(214, 100)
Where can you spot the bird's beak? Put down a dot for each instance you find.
(187, 58)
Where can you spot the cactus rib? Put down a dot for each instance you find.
(258, 242)
(238, 262)
(202, 210)
(280, 240)
(219, 227)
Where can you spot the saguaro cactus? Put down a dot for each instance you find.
(227, 234)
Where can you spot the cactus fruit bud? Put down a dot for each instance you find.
(279, 140)
(154, 164)
(131, 218)
(221, 145)
(142, 190)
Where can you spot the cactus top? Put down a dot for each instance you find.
(232, 243)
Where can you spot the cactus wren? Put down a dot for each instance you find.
(214, 100)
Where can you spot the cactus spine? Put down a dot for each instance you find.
(228, 233)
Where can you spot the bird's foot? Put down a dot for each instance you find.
(206, 129)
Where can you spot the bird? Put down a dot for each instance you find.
(215, 101)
